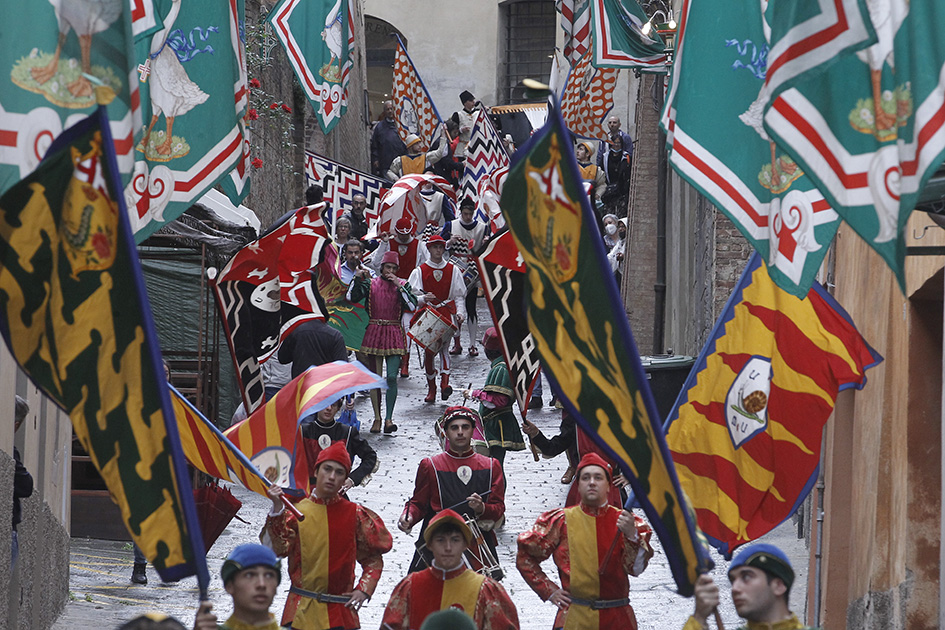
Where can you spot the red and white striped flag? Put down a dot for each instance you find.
(576, 22)
(588, 99)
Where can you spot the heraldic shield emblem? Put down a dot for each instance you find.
(746, 405)
(554, 220)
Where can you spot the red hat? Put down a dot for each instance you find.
(593, 459)
(390, 257)
(490, 340)
(335, 453)
(444, 517)
(404, 225)
(436, 239)
(456, 412)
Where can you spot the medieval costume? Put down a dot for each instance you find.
(447, 479)
(445, 281)
(469, 238)
(596, 574)
(322, 550)
(425, 592)
(495, 402)
(416, 161)
(384, 337)
(317, 437)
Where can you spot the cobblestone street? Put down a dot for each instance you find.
(102, 595)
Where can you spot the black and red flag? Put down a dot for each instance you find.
(267, 289)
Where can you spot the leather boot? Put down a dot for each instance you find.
(376, 427)
(431, 389)
(457, 347)
(139, 575)
(445, 389)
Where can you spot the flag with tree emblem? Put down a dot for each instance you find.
(617, 37)
(721, 62)
(869, 128)
(193, 94)
(580, 328)
(52, 60)
(74, 314)
(318, 40)
(746, 432)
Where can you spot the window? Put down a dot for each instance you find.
(528, 42)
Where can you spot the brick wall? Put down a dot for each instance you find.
(639, 268)
(279, 185)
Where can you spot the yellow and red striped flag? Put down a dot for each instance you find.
(746, 431)
(270, 436)
(207, 449)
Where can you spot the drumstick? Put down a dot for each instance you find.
(453, 507)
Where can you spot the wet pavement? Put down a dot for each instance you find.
(102, 595)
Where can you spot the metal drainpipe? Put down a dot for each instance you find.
(659, 311)
(820, 547)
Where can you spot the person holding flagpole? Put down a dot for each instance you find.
(323, 547)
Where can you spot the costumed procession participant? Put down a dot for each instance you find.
(413, 253)
(464, 236)
(418, 159)
(322, 430)
(465, 118)
(440, 285)
(323, 548)
(495, 402)
(616, 164)
(447, 583)
(458, 479)
(448, 168)
(436, 211)
(355, 214)
(388, 297)
(613, 129)
(761, 577)
(590, 172)
(595, 546)
(251, 574)
(385, 142)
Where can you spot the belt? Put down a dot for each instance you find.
(324, 598)
(386, 322)
(599, 604)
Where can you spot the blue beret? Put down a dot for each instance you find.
(246, 556)
(768, 558)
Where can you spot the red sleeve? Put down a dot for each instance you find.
(535, 546)
(495, 502)
(283, 532)
(418, 506)
(397, 612)
(373, 540)
(637, 554)
(495, 610)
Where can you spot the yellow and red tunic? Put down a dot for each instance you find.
(579, 538)
(322, 550)
(413, 164)
(420, 594)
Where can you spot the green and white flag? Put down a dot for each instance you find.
(53, 56)
(718, 143)
(317, 38)
(618, 40)
(193, 94)
(870, 129)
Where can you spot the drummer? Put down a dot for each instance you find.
(441, 288)
(464, 236)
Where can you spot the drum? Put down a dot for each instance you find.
(431, 330)
(469, 269)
